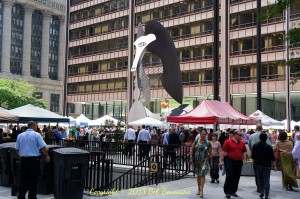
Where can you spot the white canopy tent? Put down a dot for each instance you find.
(81, 120)
(293, 123)
(5, 115)
(146, 121)
(102, 121)
(72, 120)
(30, 112)
(266, 120)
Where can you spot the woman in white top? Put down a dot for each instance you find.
(216, 148)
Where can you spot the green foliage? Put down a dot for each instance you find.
(18, 93)
(275, 10)
(293, 35)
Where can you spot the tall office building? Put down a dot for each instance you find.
(32, 46)
(98, 55)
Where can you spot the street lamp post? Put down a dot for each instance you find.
(65, 101)
(258, 55)
(287, 70)
(216, 50)
(130, 54)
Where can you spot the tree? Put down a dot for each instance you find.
(16, 93)
(293, 34)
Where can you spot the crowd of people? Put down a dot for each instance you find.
(208, 151)
(228, 149)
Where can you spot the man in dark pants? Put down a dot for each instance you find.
(254, 138)
(171, 148)
(143, 138)
(236, 151)
(129, 139)
(28, 145)
(263, 157)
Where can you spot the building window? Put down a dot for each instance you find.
(245, 73)
(36, 43)
(54, 104)
(38, 95)
(17, 17)
(53, 47)
(71, 108)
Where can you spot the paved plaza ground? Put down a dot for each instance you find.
(186, 188)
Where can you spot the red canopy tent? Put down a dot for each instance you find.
(214, 112)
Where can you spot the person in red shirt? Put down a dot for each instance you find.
(236, 152)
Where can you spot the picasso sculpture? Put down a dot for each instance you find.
(154, 39)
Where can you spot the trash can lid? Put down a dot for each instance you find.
(53, 146)
(8, 145)
(70, 150)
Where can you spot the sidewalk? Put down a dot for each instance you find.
(186, 188)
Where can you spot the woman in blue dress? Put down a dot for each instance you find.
(201, 157)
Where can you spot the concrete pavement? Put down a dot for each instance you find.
(186, 188)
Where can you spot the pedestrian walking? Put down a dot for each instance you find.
(201, 157)
(296, 155)
(129, 139)
(28, 145)
(297, 133)
(285, 148)
(216, 148)
(236, 153)
(254, 138)
(263, 157)
(143, 138)
(173, 144)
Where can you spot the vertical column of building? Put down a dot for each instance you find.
(6, 35)
(27, 39)
(61, 49)
(45, 45)
(225, 91)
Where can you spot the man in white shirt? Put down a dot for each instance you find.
(129, 139)
(144, 138)
(297, 133)
(296, 149)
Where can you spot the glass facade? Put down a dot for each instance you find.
(36, 43)
(95, 110)
(105, 37)
(17, 28)
(273, 104)
(53, 47)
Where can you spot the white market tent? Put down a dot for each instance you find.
(146, 121)
(266, 120)
(101, 121)
(5, 115)
(72, 120)
(293, 123)
(81, 120)
(30, 112)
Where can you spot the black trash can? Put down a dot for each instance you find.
(70, 165)
(15, 161)
(45, 183)
(5, 166)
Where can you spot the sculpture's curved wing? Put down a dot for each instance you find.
(165, 49)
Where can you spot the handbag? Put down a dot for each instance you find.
(296, 170)
(277, 154)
